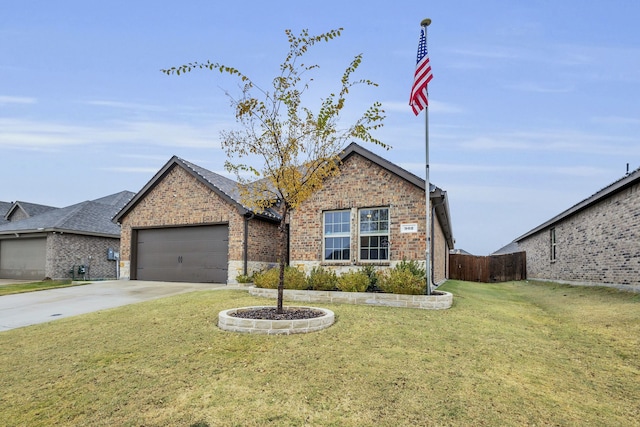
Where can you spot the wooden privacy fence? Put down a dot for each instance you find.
(493, 268)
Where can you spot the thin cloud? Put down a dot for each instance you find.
(35, 134)
(577, 170)
(434, 106)
(617, 120)
(553, 141)
(132, 169)
(17, 100)
(124, 105)
(537, 88)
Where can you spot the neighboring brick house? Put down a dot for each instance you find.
(38, 241)
(188, 223)
(372, 213)
(595, 242)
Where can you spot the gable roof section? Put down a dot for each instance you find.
(436, 194)
(224, 187)
(623, 183)
(88, 218)
(29, 209)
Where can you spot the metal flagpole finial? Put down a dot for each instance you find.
(425, 22)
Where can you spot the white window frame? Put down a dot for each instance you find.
(376, 233)
(553, 247)
(338, 234)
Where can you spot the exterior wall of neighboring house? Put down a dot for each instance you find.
(363, 184)
(179, 199)
(66, 251)
(599, 245)
(17, 215)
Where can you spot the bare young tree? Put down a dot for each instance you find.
(299, 149)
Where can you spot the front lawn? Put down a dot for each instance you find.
(18, 288)
(505, 354)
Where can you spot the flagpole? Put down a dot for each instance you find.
(424, 24)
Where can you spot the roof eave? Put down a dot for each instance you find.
(620, 185)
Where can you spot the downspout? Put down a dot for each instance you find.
(245, 256)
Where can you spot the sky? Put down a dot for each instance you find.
(533, 107)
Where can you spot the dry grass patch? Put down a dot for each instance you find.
(504, 354)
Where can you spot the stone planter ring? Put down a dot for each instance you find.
(228, 322)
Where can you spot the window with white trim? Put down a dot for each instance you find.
(337, 235)
(552, 244)
(374, 234)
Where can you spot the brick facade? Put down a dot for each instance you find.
(599, 245)
(364, 184)
(178, 199)
(67, 251)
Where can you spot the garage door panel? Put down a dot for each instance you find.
(23, 259)
(185, 254)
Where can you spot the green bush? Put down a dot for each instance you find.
(370, 272)
(413, 267)
(243, 278)
(293, 278)
(401, 281)
(353, 281)
(321, 279)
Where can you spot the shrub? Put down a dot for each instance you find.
(243, 278)
(413, 267)
(401, 281)
(293, 278)
(354, 281)
(370, 272)
(321, 279)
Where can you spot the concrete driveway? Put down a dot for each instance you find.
(29, 308)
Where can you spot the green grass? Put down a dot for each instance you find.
(18, 288)
(508, 354)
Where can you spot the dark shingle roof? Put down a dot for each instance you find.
(4, 208)
(30, 209)
(90, 217)
(511, 248)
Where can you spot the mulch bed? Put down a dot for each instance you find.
(270, 313)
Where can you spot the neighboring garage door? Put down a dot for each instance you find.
(23, 259)
(186, 254)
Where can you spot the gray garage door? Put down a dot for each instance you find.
(23, 259)
(184, 254)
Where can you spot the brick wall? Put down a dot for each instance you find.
(64, 251)
(180, 199)
(599, 245)
(363, 184)
(440, 253)
(263, 241)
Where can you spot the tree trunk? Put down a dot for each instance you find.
(282, 250)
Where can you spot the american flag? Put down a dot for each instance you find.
(422, 77)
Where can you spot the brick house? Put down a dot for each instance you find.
(372, 213)
(38, 241)
(595, 242)
(188, 223)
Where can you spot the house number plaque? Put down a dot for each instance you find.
(409, 228)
